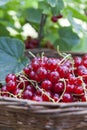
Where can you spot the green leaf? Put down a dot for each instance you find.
(77, 14)
(3, 30)
(78, 27)
(82, 45)
(33, 15)
(12, 58)
(67, 39)
(3, 2)
(59, 6)
(68, 36)
(52, 3)
(62, 45)
(43, 5)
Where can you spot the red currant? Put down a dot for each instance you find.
(27, 69)
(11, 86)
(67, 98)
(46, 84)
(37, 98)
(53, 76)
(10, 77)
(27, 94)
(59, 87)
(54, 19)
(42, 73)
(46, 96)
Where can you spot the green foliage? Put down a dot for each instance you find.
(58, 7)
(3, 2)
(52, 3)
(67, 36)
(67, 40)
(77, 14)
(82, 46)
(3, 30)
(12, 58)
(33, 15)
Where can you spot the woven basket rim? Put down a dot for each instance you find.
(31, 102)
(55, 51)
(46, 108)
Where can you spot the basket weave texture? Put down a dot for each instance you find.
(19, 114)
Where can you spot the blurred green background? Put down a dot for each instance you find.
(22, 18)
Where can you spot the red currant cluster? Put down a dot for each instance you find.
(31, 43)
(54, 19)
(50, 79)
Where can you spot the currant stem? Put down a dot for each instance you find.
(43, 92)
(84, 87)
(21, 81)
(8, 93)
(63, 80)
(64, 59)
(31, 54)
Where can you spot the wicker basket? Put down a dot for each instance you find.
(18, 114)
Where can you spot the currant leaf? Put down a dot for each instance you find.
(52, 3)
(12, 59)
(34, 17)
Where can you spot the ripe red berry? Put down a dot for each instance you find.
(67, 98)
(11, 86)
(83, 98)
(18, 93)
(10, 77)
(56, 97)
(31, 43)
(51, 64)
(85, 62)
(77, 61)
(27, 94)
(54, 19)
(4, 91)
(78, 81)
(46, 85)
(59, 87)
(84, 57)
(42, 73)
(37, 98)
(63, 71)
(30, 88)
(53, 76)
(79, 90)
(32, 75)
(70, 88)
(27, 69)
(35, 65)
(46, 97)
(38, 92)
(71, 79)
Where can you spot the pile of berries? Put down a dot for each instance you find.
(50, 79)
(31, 43)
